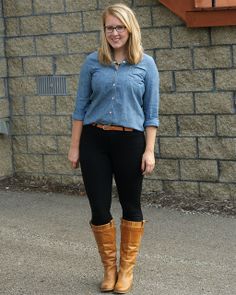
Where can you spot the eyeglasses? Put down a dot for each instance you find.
(110, 29)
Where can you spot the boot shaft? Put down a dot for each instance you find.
(105, 236)
(131, 236)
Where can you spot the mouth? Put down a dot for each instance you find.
(115, 40)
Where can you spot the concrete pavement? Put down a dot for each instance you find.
(46, 248)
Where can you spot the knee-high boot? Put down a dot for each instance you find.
(105, 236)
(131, 235)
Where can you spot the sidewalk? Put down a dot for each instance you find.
(46, 248)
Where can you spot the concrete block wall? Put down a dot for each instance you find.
(6, 168)
(196, 147)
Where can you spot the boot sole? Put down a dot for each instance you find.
(122, 292)
(106, 291)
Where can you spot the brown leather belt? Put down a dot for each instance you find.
(112, 127)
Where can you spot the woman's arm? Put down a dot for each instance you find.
(73, 154)
(148, 159)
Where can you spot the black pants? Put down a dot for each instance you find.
(107, 153)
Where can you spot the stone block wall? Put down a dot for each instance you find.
(5, 139)
(196, 147)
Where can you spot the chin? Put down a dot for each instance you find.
(117, 46)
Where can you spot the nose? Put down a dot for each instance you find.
(115, 32)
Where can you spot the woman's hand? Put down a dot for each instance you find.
(73, 157)
(148, 162)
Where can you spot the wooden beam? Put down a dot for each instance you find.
(196, 17)
(225, 3)
(203, 3)
(211, 18)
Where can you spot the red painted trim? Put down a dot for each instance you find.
(208, 18)
(225, 3)
(202, 17)
(203, 3)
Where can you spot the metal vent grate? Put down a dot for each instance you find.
(51, 85)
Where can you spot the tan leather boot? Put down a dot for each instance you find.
(105, 236)
(131, 235)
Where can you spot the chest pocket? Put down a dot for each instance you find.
(137, 75)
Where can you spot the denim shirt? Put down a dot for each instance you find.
(127, 96)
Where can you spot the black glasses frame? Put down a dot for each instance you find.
(119, 29)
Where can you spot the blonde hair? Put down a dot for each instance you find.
(134, 46)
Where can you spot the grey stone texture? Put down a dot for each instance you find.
(227, 171)
(66, 23)
(213, 57)
(199, 170)
(15, 67)
(186, 37)
(49, 6)
(6, 166)
(17, 8)
(196, 125)
(214, 103)
(178, 147)
(218, 191)
(183, 187)
(105, 3)
(194, 80)
(38, 66)
(6, 156)
(39, 144)
(174, 59)
(156, 38)
(4, 108)
(223, 35)
(2, 88)
(12, 27)
(28, 163)
(21, 46)
(77, 5)
(226, 125)
(50, 45)
(226, 79)
(196, 147)
(35, 25)
(217, 148)
(43, 105)
(166, 81)
(164, 17)
(168, 126)
(177, 103)
(85, 42)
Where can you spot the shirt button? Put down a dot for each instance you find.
(114, 84)
(110, 112)
(113, 98)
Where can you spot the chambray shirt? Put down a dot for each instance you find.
(127, 96)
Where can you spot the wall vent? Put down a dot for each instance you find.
(51, 85)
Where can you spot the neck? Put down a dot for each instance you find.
(119, 55)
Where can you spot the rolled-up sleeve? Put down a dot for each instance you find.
(83, 92)
(151, 95)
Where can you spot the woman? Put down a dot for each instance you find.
(117, 101)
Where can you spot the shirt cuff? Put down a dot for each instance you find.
(151, 122)
(78, 116)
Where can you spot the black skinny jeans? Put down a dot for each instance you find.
(107, 153)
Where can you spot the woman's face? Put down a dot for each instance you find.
(117, 40)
